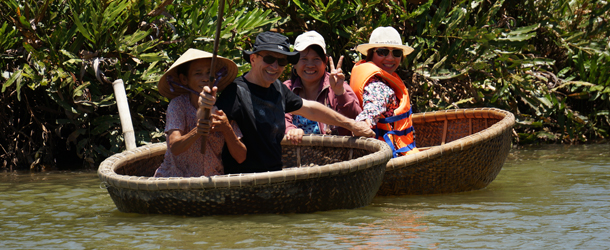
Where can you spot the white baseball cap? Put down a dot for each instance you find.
(307, 39)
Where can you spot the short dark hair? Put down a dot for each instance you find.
(183, 69)
(369, 54)
(319, 51)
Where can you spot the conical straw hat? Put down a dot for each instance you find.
(190, 55)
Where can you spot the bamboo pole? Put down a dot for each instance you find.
(206, 112)
(124, 114)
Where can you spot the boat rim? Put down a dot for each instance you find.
(507, 121)
(381, 153)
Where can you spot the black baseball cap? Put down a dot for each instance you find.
(274, 42)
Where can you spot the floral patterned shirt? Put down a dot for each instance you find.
(379, 101)
(181, 115)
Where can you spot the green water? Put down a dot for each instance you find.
(550, 197)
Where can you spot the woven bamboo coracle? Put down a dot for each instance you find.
(461, 150)
(321, 173)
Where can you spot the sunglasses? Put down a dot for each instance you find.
(268, 59)
(384, 52)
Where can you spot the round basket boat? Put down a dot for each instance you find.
(461, 150)
(321, 173)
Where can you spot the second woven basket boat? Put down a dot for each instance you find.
(461, 150)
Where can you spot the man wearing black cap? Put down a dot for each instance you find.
(258, 101)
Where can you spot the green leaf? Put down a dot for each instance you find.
(134, 38)
(545, 101)
(68, 54)
(467, 100)
(439, 63)
(533, 103)
(55, 97)
(24, 22)
(113, 11)
(15, 76)
(105, 123)
(79, 90)
(73, 61)
(153, 57)
(563, 72)
(106, 101)
(458, 14)
(546, 135)
(573, 83)
(524, 30)
(80, 27)
(517, 38)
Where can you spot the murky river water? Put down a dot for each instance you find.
(550, 197)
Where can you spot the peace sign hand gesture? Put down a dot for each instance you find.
(336, 77)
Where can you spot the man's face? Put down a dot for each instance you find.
(267, 67)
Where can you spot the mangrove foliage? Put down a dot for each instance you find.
(547, 61)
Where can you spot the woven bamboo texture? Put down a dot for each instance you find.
(321, 173)
(462, 150)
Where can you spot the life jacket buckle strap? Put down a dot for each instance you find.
(396, 118)
(396, 152)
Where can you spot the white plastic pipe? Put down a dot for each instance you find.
(124, 114)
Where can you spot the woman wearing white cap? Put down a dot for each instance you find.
(311, 81)
(183, 82)
(385, 100)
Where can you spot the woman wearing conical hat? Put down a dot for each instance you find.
(384, 98)
(183, 83)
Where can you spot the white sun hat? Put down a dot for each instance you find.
(384, 37)
(307, 39)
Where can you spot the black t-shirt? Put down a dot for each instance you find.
(259, 112)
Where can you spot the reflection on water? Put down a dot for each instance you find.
(545, 197)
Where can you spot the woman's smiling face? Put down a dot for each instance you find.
(388, 63)
(311, 67)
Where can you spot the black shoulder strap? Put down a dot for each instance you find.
(243, 93)
(278, 86)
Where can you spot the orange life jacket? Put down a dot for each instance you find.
(397, 130)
